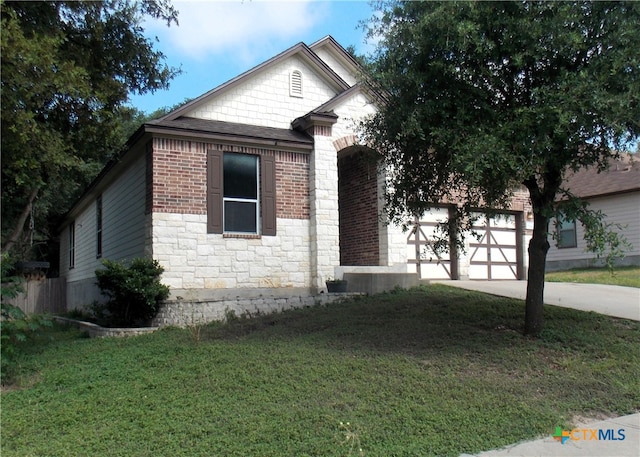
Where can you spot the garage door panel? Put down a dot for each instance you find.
(429, 262)
(495, 254)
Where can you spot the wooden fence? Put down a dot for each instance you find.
(42, 296)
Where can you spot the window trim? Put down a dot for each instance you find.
(256, 200)
(215, 197)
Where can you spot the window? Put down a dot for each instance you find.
(72, 245)
(99, 227)
(240, 193)
(241, 207)
(566, 233)
(295, 83)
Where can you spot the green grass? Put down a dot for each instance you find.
(431, 371)
(621, 276)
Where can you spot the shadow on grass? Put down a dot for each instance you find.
(428, 319)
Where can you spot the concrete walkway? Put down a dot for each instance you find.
(620, 437)
(614, 301)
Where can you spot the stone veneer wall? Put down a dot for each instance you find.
(183, 313)
(196, 261)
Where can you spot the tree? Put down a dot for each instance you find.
(67, 70)
(483, 97)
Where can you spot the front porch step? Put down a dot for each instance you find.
(374, 283)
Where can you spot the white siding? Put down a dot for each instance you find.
(263, 99)
(623, 209)
(123, 232)
(123, 217)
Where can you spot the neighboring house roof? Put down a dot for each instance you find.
(204, 128)
(622, 176)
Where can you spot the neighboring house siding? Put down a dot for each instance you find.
(623, 209)
(264, 99)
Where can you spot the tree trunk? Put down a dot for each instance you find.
(19, 228)
(538, 248)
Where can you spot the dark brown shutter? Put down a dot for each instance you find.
(268, 197)
(215, 177)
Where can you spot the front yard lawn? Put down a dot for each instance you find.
(620, 276)
(430, 371)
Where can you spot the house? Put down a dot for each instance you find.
(615, 192)
(258, 191)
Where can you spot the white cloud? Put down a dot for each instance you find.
(242, 27)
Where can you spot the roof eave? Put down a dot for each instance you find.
(225, 137)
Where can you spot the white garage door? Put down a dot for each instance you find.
(496, 254)
(421, 252)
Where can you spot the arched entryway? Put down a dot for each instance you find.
(359, 206)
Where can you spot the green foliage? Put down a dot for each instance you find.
(15, 325)
(481, 98)
(67, 70)
(400, 371)
(135, 291)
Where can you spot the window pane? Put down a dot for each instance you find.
(240, 176)
(567, 225)
(240, 217)
(567, 239)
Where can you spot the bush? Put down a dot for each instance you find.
(15, 325)
(134, 292)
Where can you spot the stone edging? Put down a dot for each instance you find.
(95, 331)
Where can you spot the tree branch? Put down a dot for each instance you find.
(19, 228)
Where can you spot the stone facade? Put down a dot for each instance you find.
(184, 313)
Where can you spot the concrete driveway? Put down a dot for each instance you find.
(614, 301)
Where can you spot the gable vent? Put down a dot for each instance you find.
(295, 83)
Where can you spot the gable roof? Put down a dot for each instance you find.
(622, 176)
(301, 50)
(337, 51)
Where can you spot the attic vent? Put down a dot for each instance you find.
(295, 83)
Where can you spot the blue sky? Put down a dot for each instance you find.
(217, 40)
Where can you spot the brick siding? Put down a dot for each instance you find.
(358, 198)
(176, 181)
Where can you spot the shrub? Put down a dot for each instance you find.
(15, 325)
(134, 292)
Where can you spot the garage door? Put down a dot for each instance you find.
(496, 253)
(421, 251)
